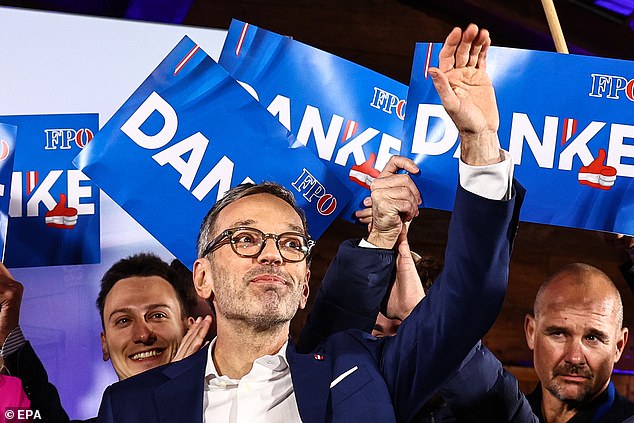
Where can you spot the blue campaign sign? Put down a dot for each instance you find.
(8, 135)
(349, 116)
(568, 122)
(188, 134)
(54, 208)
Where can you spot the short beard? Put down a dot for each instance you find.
(275, 310)
(271, 318)
(557, 390)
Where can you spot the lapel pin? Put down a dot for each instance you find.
(318, 357)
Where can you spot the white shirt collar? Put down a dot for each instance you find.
(275, 363)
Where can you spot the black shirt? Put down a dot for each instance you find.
(608, 407)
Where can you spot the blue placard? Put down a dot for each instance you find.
(568, 122)
(351, 117)
(54, 208)
(188, 134)
(8, 134)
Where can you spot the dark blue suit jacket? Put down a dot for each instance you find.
(480, 391)
(388, 379)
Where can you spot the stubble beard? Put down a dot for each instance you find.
(558, 389)
(261, 310)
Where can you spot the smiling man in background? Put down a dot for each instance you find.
(143, 314)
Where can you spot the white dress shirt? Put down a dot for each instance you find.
(492, 181)
(265, 394)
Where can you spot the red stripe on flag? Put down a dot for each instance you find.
(564, 133)
(243, 34)
(31, 181)
(351, 129)
(570, 128)
(430, 47)
(186, 59)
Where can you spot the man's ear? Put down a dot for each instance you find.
(529, 331)
(104, 347)
(202, 283)
(189, 321)
(621, 342)
(305, 291)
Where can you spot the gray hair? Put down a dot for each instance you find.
(236, 193)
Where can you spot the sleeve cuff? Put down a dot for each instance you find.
(493, 182)
(365, 244)
(14, 342)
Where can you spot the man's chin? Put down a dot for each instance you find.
(571, 392)
(269, 318)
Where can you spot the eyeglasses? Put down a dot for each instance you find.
(249, 242)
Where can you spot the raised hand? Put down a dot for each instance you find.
(394, 201)
(194, 339)
(467, 94)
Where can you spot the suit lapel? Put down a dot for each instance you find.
(180, 399)
(311, 375)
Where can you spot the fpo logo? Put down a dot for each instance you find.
(611, 86)
(388, 102)
(311, 188)
(64, 138)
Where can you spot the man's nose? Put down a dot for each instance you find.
(574, 352)
(270, 253)
(143, 333)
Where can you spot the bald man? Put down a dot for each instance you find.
(576, 334)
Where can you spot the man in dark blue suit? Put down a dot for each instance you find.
(253, 265)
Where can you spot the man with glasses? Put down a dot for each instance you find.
(249, 242)
(253, 265)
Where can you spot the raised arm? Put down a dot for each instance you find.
(466, 298)
(358, 278)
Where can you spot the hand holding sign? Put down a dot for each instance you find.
(395, 200)
(467, 94)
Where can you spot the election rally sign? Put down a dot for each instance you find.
(188, 134)
(54, 208)
(567, 121)
(351, 117)
(8, 135)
